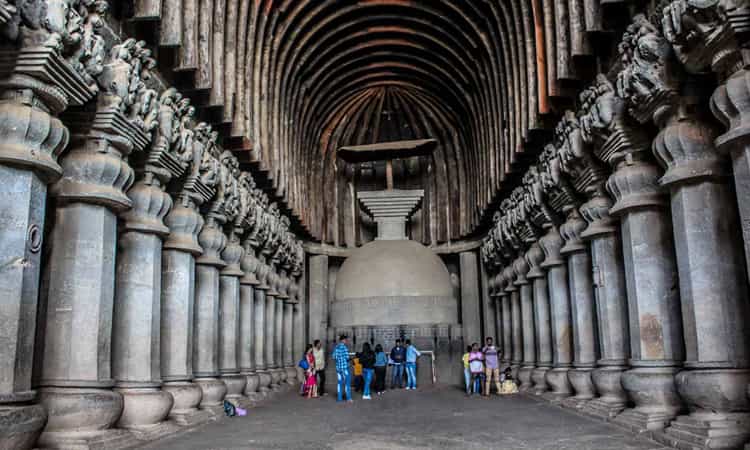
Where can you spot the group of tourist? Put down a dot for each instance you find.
(482, 366)
(366, 366)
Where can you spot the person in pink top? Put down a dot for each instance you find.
(476, 365)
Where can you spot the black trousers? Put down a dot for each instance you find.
(380, 379)
(321, 381)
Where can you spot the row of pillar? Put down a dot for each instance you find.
(148, 312)
(642, 275)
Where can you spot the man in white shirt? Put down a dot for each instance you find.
(320, 366)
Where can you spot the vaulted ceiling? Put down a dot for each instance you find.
(293, 80)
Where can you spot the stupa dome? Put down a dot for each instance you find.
(393, 282)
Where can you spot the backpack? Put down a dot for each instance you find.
(303, 364)
(229, 409)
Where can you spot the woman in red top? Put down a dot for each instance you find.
(311, 380)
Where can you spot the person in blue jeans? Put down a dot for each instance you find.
(398, 357)
(340, 356)
(411, 365)
(367, 359)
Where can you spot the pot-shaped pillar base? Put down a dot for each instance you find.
(514, 370)
(275, 379)
(612, 397)
(583, 387)
(214, 390)
(143, 408)
(20, 426)
(187, 396)
(559, 386)
(524, 376)
(719, 410)
(538, 376)
(265, 381)
(235, 384)
(291, 376)
(654, 393)
(81, 418)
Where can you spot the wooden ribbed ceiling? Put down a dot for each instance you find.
(293, 80)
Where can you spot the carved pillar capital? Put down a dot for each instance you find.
(633, 185)
(551, 243)
(509, 276)
(571, 231)
(249, 264)
(150, 204)
(534, 257)
(596, 213)
(213, 240)
(686, 150)
(521, 268)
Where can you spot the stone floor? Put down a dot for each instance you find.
(431, 418)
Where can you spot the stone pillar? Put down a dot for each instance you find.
(278, 341)
(288, 357)
(31, 139)
(580, 284)
(651, 278)
(521, 267)
(248, 283)
(507, 326)
(270, 336)
(206, 319)
(298, 321)
(729, 104)
(488, 306)
(318, 298)
(177, 311)
(259, 344)
(562, 345)
(542, 325)
(76, 380)
(229, 317)
(470, 301)
(611, 307)
(280, 327)
(516, 327)
(136, 347)
(713, 289)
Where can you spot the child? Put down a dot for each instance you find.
(476, 365)
(467, 370)
(508, 386)
(311, 380)
(358, 380)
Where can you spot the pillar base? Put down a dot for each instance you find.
(612, 397)
(719, 409)
(583, 386)
(81, 418)
(265, 381)
(85, 440)
(143, 408)
(235, 384)
(252, 382)
(291, 376)
(524, 376)
(559, 386)
(187, 396)
(214, 391)
(20, 426)
(275, 379)
(515, 368)
(540, 381)
(653, 391)
(715, 431)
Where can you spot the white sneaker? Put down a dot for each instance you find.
(366, 397)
